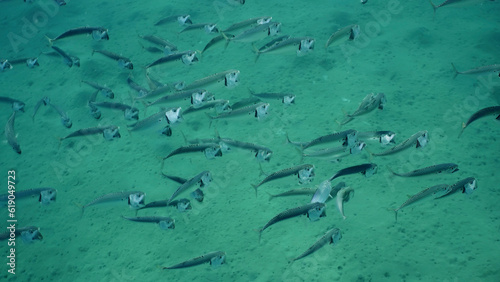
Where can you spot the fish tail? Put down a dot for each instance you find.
(392, 171)
(396, 215)
(257, 52)
(456, 71)
(270, 196)
(462, 131)
(255, 187)
(50, 40)
(433, 7)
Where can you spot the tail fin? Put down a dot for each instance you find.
(462, 131)
(50, 40)
(396, 215)
(456, 71)
(257, 52)
(270, 196)
(434, 7)
(255, 186)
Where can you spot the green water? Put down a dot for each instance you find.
(406, 56)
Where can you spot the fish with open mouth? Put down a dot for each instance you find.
(256, 33)
(467, 186)
(367, 170)
(65, 120)
(69, 60)
(439, 168)
(123, 62)
(305, 209)
(343, 196)
(258, 110)
(215, 258)
(370, 102)
(249, 22)
(29, 62)
(10, 133)
(129, 112)
(478, 70)
(162, 221)
(349, 32)
(384, 137)
(98, 33)
(108, 132)
(211, 150)
(305, 173)
(187, 58)
(16, 104)
(166, 45)
(180, 19)
(28, 234)
(229, 78)
(105, 91)
(494, 110)
(135, 199)
(179, 95)
(286, 98)
(46, 195)
(301, 45)
(419, 139)
(420, 195)
(207, 27)
(332, 236)
(347, 137)
(5, 64)
(203, 177)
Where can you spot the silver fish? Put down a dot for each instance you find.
(370, 102)
(249, 22)
(123, 62)
(177, 96)
(129, 112)
(29, 62)
(65, 120)
(16, 104)
(46, 195)
(259, 111)
(5, 64)
(439, 168)
(383, 137)
(165, 44)
(344, 195)
(286, 98)
(106, 91)
(257, 33)
(10, 133)
(420, 195)
(208, 27)
(367, 169)
(181, 19)
(98, 33)
(301, 45)
(467, 186)
(332, 236)
(204, 177)
(187, 57)
(478, 70)
(68, 59)
(294, 192)
(164, 222)
(494, 110)
(230, 78)
(349, 32)
(418, 139)
(135, 199)
(109, 132)
(286, 172)
(348, 138)
(28, 234)
(215, 259)
(194, 148)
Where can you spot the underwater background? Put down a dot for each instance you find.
(404, 50)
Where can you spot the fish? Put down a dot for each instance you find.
(187, 57)
(150, 121)
(165, 44)
(344, 195)
(108, 132)
(163, 221)
(349, 32)
(370, 102)
(215, 258)
(16, 104)
(177, 96)
(286, 98)
(10, 133)
(302, 46)
(123, 62)
(29, 62)
(258, 149)
(28, 234)
(420, 195)
(439, 168)
(258, 110)
(46, 195)
(203, 147)
(45, 101)
(367, 169)
(332, 236)
(294, 192)
(306, 169)
(181, 19)
(129, 112)
(249, 22)
(230, 78)
(218, 104)
(478, 70)
(141, 90)
(5, 64)
(384, 137)
(65, 120)
(204, 177)
(106, 91)
(274, 41)
(213, 41)
(467, 186)
(348, 138)
(418, 139)
(291, 213)
(68, 60)
(98, 33)
(322, 193)
(208, 27)
(256, 33)
(494, 110)
(135, 199)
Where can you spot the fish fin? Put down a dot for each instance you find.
(255, 186)
(396, 215)
(270, 196)
(257, 52)
(50, 40)
(454, 68)
(462, 131)
(262, 171)
(392, 171)
(434, 7)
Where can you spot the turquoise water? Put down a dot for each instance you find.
(406, 56)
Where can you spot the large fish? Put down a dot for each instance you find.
(332, 236)
(215, 258)
(494, 110)
(10, 133)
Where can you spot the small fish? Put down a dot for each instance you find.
(370, 102)
(249, 22)
(135, 199)
(274, 41)
(65, 120)
(494, 110)
(178, 96)
(478, 70)
(165, 44)
(204, 177)
(294, 192)
(46, 195)
(123, 62)
(5, 64)
(106, 91)
(129, 112)
(213, 41)
(141, 90)
(306, 169)
(28, 234)
(343, 196)
(16, 104)
(187, 57)
(208, 27)
(347, 137)
(439, 168)
(98, 33)
(182, 205)
(164, 222)
(286, 98)
(215, 258)
(181, 19)
(10, 133)
(230, 78)
(68, 59)
(219, 104)
(349, 32)
(108, 132)
(198, 195)
(467, 186)
(332, 236)
(195, 148)
(301, 45)
(256, 33)
(368, 170)
(418, 139)
(420, 195)
(150, 121)
(322, 193)
(29, 62)
(249, 146)
(292, 213)
(258, 110)
(383, 137)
